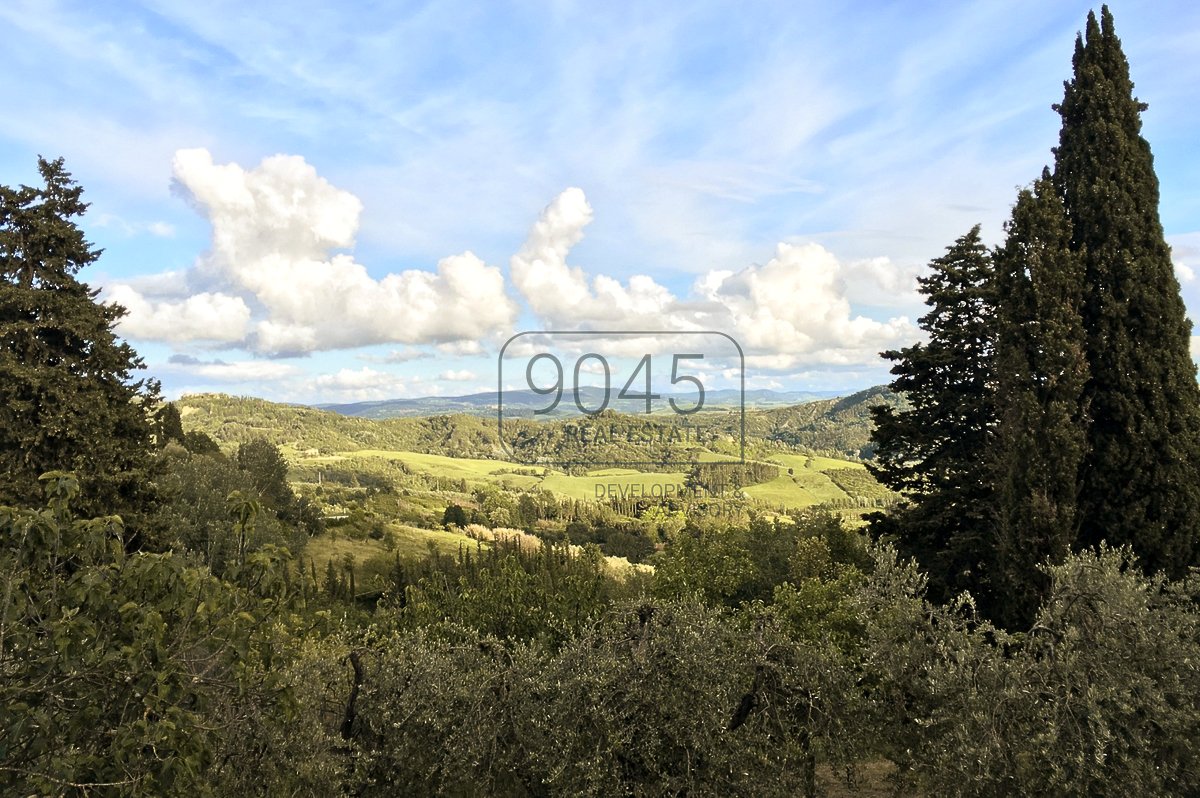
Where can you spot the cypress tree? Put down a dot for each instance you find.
(931, 451)
(169, 425)
(67, 398)
(1140, 481)
(332, 581)
(1041, 368)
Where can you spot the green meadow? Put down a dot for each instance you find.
(808, 483)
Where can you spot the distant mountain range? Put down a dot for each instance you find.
(522, 404)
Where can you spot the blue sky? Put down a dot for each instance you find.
(357, 201)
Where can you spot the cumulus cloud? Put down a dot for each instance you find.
(201, 317)
(278, 280)
(879, 281)
(793, 305)
(796, 308)
(560, 294)
(277, 235)
(460, 348)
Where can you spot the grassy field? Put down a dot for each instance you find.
(802, 489)
(610, 481)
(799, 462)
(440, 465)
(808, 484)
(491, 471)
(409, 541)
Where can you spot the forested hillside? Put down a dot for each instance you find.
(838, 427)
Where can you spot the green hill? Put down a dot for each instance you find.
(839, 427)
(795, 456)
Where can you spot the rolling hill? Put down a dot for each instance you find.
(839, 427)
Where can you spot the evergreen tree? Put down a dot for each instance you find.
(169, 425)
(931, 451)
(332, 581)
(1041, 368)
(67, 398)
(1140, 480)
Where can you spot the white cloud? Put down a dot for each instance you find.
(461, 375)
(235, 372)
(276, 281)
(794, 309)
(364, 377)
(404, 355)
(362, 384)
(201, 317)
(560, 294)
(157, 229)
(460, 348)
(795, 306)
(276, 230)
(879, 281)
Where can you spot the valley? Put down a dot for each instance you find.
(389, 487)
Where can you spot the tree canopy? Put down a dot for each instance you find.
(1056, 403)
(68, 397)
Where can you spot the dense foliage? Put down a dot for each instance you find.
(133, 671)
(753, 663)
(1056, 403)
(1041, 415)
(68, 399)
(296, 622)
(931, 451)
(1139, 477)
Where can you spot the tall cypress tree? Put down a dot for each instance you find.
(67, 397)
(1041, 368)
(1141, 483)
(932, 450)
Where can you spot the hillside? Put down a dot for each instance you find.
(231, 420)
(405, 472)
(839, 427)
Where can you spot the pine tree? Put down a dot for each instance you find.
(67, 398)
(1041, 368)
(931, 451)
(1141, 484)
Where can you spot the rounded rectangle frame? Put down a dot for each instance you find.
(741, 404)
